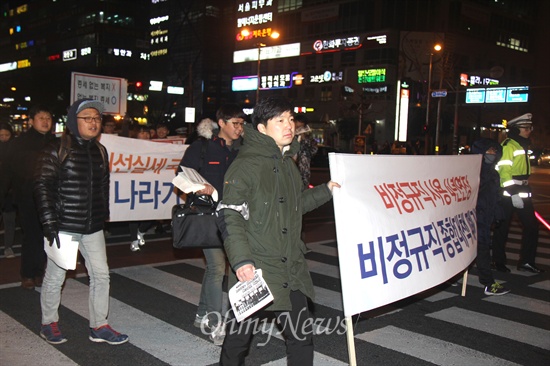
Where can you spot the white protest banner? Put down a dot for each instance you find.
(141, 178)
(404, 224)
(110, 91)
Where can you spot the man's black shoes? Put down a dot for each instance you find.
(529, 268)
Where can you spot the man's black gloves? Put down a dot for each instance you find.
(51, 232)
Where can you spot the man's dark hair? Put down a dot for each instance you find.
(300, 117)
(268, 108)
(37, 109)
(228, 111)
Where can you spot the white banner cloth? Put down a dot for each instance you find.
(404, 224)
(141, 178)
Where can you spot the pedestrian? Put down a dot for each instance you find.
(308, 148)
(162, 131)
(211, 155)
(514, 170)
(6, 195)
(21, 160)
(261, 218)
(109, 126)
(138, 229)
(487, 211)
(72, 194)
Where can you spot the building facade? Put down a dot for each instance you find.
(357, 68)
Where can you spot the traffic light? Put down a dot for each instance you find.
(139, 84)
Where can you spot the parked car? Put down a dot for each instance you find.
(544, 158)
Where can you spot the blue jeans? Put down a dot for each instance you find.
(92, 248)
(211, 290)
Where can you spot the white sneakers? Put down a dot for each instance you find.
(216, 334)
(134, 246)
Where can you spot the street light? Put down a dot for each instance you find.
(274, 35)
(437, 47)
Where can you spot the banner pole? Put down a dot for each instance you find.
(464, 282)
(351, 341)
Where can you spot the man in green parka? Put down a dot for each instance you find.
(261, 218)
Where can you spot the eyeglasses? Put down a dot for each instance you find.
(96, 119)
(237, 124)
(529, 128)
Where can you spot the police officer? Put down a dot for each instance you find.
(514, 170)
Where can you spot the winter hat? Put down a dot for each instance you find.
(78, 107)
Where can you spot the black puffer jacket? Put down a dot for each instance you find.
(73, 194)
(487, 207)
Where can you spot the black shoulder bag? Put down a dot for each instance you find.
(194, 222)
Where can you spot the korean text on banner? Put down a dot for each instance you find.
(404, 224)
(141, 178)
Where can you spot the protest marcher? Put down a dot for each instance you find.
(21, 159)
(261, 219)
(211, 155)
(72, 195)
(488, 212)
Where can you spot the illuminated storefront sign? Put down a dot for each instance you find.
(512, 94)
(326, 77)
(155, 85)
(158, 20)
(121, 52)
(160, 52)
(8, 66)
(376, 90)
(70, 55)
(247, 83)
(285, 50)
(474, 80)
(380, 39)
(257, 19)
(174, 90)
(159, 36)
(21, 64)
(244, 83)
(279, 81)
(257, 33)
(85, 51)
(324, 45)
(371, 76)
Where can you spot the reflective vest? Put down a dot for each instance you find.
(514, 169)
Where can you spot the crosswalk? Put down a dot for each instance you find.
(155, 305)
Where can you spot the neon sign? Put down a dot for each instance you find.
(371, 76)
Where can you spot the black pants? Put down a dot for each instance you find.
(298, 335)
(483, 259)
(33, 257)
(530, 235)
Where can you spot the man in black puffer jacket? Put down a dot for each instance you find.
(72, 196)
(488, 212)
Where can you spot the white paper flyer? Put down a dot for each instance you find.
(189, 180)
(64, 256)
(248, 297)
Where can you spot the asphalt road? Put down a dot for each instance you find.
(154, 295)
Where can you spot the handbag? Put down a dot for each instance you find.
(194, 223)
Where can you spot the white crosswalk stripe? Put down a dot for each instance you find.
(390, 330)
